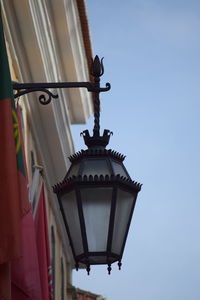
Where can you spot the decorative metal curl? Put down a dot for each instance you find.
(42, 98)
(107, 88)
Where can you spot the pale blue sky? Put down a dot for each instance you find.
(152, 60)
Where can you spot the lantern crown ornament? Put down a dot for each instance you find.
(97, 196)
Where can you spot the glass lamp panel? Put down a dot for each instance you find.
(95, 167)
(96, 210)
(118, 169)
(71, 214)
(74, 170)
(124, 204)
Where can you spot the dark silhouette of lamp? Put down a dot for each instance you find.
(97, 196)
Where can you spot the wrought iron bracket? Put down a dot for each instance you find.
(47, 95)
(26, 88)
(96, 70)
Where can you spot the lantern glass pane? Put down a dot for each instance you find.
(71, 214)
(96, 210)
(124, 205)
(118, 169)
(95, 167)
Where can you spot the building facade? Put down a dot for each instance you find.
(48, 41)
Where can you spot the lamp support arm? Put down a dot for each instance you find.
(90, 86)
(97, 70)
(26, 88)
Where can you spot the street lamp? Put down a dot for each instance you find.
(97, 196)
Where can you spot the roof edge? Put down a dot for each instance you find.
(86, 33)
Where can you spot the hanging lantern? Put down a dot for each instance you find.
(97, 197)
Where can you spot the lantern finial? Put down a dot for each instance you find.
(96, 141)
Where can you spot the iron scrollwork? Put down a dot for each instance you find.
(44, 98)
(97, 70)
